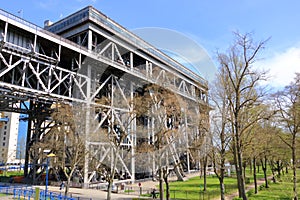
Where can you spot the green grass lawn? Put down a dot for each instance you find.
(193, 188)
(282, 189)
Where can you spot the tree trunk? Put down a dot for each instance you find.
(161, 188)
(201, 169)
(294, 168)
(239, 167)
(165, 175)
(278, 168)
(251, 167)
(204, 173)
(67, 186)
(221, 178)
(240, 176)
(254, 175)
(222, 188)
(109, 188)
(273, 176)
(236, 169)
(244, 170)
(112, 173)
(222, 169)
(264, 168)
(167, 190)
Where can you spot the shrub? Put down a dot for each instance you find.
(261, 187)
(249, 193)
(247, 180)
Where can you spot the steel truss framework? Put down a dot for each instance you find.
(43, 68)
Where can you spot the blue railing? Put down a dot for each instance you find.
(28, 192)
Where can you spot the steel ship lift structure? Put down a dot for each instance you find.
(79, 59)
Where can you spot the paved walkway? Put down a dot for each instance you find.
(154, 184)
(100, 195)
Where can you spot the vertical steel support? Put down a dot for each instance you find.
(59, 53)
(87, 128)
(133, 136)
(112, 158)
(90, 40)
(147, 68)
(34, 43)
(150, 69)
(47, 177)
(187, 143)
(131, 61)
(153, 155)
(28, 137)
(5, 32)
(113, 52)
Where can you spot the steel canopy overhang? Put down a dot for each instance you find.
(91, 14)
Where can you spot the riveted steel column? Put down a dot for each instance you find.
(87, 128)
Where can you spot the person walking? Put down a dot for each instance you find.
(153, 193)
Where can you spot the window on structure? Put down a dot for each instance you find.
(96, 40)
(18, 38)
(5, 127)
(139, 64)
(81, 39)
(126, 58)
(3, 144)
(4, 133)
(4, 138)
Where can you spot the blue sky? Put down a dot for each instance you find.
(209, 23)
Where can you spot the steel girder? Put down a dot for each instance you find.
(31, 74)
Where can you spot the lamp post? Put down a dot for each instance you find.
(47, 172)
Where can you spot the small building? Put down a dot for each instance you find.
(8, 137)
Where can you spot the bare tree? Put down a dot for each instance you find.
(200, 146)
(242, 93)
(221, 129)
(165, 109)
(115, 127)
(288, 104)
(66, 142)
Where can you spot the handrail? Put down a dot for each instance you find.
(38, 28)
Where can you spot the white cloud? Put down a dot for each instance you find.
(282, 66)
